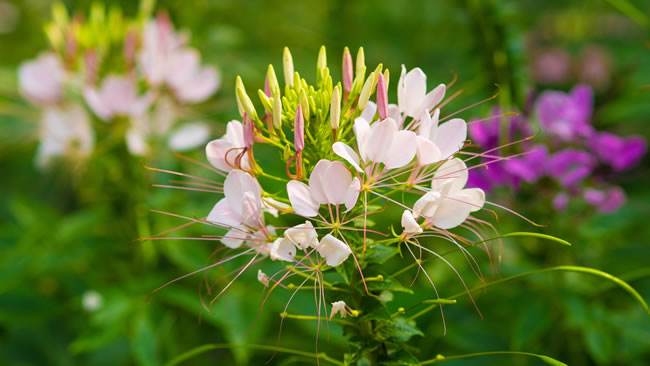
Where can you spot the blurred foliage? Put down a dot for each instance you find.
(63, 235)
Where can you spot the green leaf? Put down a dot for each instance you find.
(397, 329)
(380, 253)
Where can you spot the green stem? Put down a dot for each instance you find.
(440, 358)
(210, 347)
(594, 272)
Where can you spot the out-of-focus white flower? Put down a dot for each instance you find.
(412, 96)
(339, 308)
(223, 152)
(41, 80)
(410, 224)
(329, 183)
(303, 236)
(64, 131)
(240, 209)
(92, 301)
(165, 59)
(333, 250)
(189, 136)
(262, 278)
(449, 203)
(381, 142)
(117, 96)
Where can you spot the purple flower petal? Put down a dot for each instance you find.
(618, 152)
(570, 166)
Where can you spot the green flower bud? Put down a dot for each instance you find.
(277, 110)
(367, 90)
(287, 65)
(361, 62)
(322, 59)
(244, 102)
(272, 80)
(335, 107)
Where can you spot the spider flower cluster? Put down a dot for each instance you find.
(308, 176)
(137, 75)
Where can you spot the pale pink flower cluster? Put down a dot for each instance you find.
(166, 75)
(389, 142)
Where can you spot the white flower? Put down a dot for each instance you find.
(381, 142)
(92, 301)
(410, 224)
(165, 59)
(223, 152)
(41, 80)
(283, 249)
(117, 96)
(189, 136)
(340, 308)
(241, 208)
(64, 130)
(333, 250)
(303, 236)
(439, 142)
(448, 204)
(412, 96)
(329, 183)
(262, 278)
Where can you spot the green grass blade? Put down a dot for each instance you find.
(441, 358)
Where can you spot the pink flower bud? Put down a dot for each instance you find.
(299, 130)
(382, 97)
(130, 47)
(249, 134)
(348, 71)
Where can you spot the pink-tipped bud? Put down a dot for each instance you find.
(348, 70)
(90, 61)
(382, 97)
(249, 134)
(299, 130)
(130, 47)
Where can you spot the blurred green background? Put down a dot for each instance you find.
(69, 238)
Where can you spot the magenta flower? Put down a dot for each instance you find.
(566, 116)
(605, 201)
(618, 152)
(570, 166)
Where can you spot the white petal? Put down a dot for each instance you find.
(352, 194)
(402, 149)
(369, 111)
(282, 249)
(333, 250)
(221, 214)
(432, 98)
(189, 136)
(242, 190)
(427, 205)
(96, 104)
(362, 133)
(415, 88)
(474, 197)
(303, 236)
(216, 151)
(452, 175)
(450, 213)
(301, 201)
(234, 238)
(409, 223)
(380, 138)
(450, 137)
(347, 153)
(427, 151)
(318, 181)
